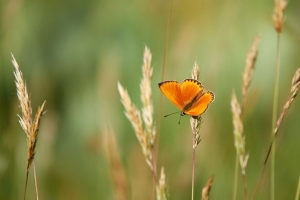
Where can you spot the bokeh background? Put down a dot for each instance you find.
(73, 53)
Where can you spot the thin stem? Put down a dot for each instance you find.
(245, 185)
(162, 76)
(155, 148)
(257, 184)
(298, 190)
(274, 118)
(26, 181)
(265, 163)
(154, 174)
(236, 171)
(154, 170)
(35, 182)
(193, 165)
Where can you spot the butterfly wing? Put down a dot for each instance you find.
(201, 104)
(171, 89)
(190, 88)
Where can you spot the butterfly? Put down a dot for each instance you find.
(190, 96)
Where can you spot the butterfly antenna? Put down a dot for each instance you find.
(171, 114)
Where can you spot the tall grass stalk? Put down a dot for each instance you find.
(118, 176)
(288, 103)
(160, 106)
(195, 125)
(237, 113)
(142, 120)
(274, 117)
(29, 125)
(278, 21)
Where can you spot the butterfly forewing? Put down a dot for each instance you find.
(171, 89)
(189, 89)
(201, 105)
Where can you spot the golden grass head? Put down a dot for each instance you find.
(134, 116)
(249, 67)
(239, 137)
(31, 128)
(206, 189)
(292, 96)
(146, 95)
(118, 175)
(25, 103)
(295, 83)
(278, 18)
(145, 135)
(196, 126)
(161, 187)
(237, 124)
(196, 122)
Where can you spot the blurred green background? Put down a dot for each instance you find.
(73, 53)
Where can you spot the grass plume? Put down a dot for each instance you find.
(278, 17)
(292, 96)
(31, 128)
(207, 188)
(143, 124)
(239, 141)
(161, 187)
(249, 68)
(118, 175)
(145, 135)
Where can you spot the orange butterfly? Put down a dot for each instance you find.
(190, 96)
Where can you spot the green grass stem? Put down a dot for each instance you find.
(274, 119)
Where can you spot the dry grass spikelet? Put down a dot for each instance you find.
(32, 139)
(31, 128)
(145, 135)
(237, 124)
(292, 96)
(146, 95)
(25, 103)
(239, 137)
(118, 175)
(249, 67)
(134, 116)
(196, 126)
(278, 18)
(161, 187)
(206, 189)
(196, 122)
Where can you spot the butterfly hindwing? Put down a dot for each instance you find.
(171, 89)
(201, 105)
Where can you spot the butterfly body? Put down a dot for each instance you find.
(190, 96)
